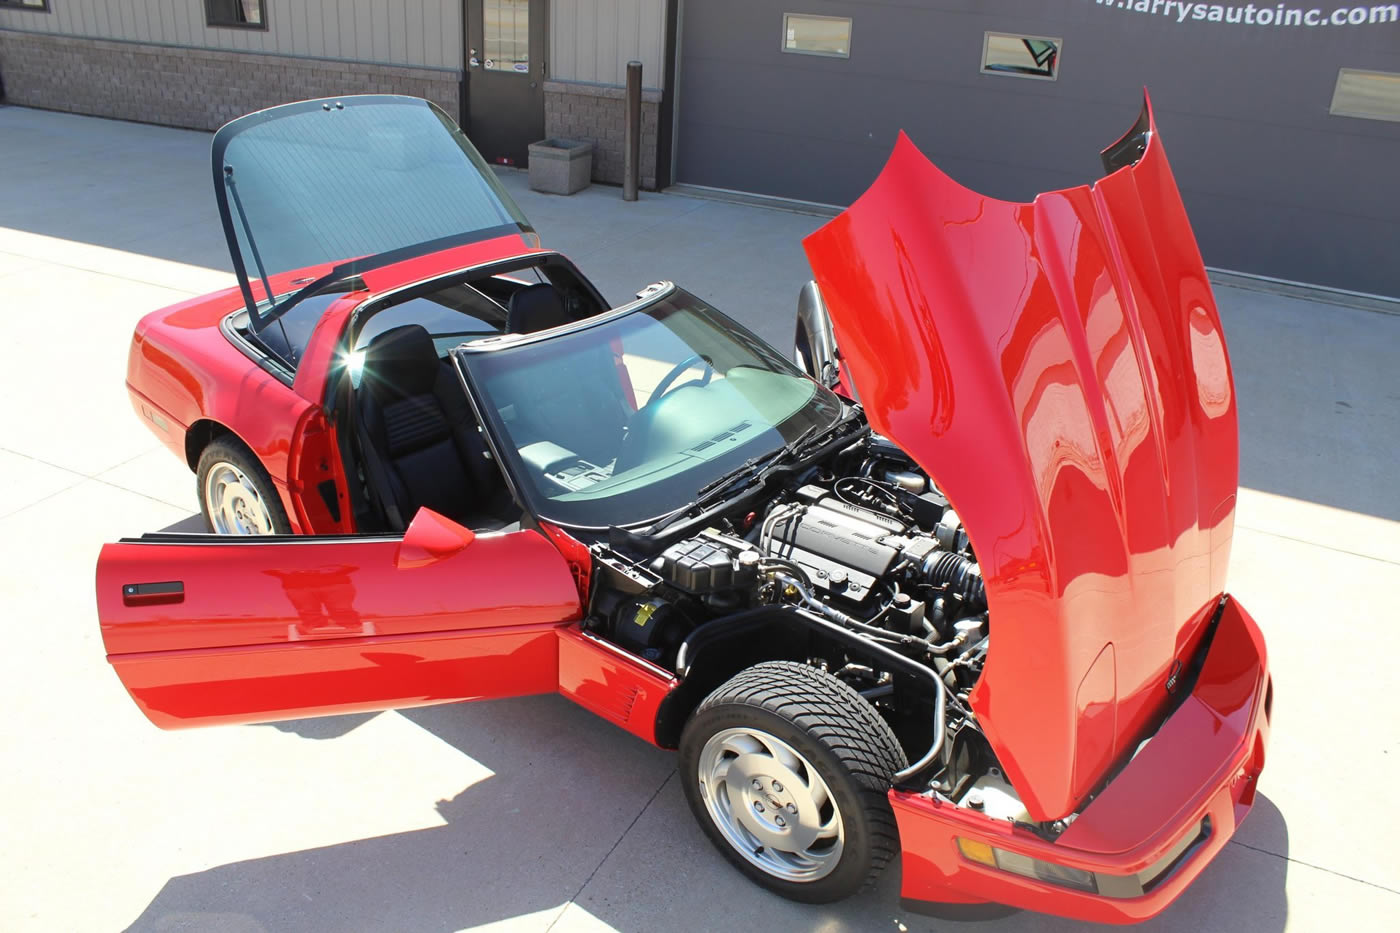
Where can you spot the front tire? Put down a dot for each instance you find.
(236, 495)
(787, 768)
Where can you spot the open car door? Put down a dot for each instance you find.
(206, 629)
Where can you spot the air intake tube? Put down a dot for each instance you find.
(958, 577)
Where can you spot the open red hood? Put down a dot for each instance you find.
(1059, 369)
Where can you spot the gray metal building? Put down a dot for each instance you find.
(1282, 121)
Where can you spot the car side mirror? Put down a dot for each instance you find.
(430, 538)
(815, 342)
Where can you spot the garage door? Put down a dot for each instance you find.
(1275, 184)
(816, 121)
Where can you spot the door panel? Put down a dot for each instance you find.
(258, 631)
(316, 478)
(265, 683)
(506, 71)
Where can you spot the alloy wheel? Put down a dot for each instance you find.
(235, 506)
(770, 804)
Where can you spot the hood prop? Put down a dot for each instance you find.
(257, 257)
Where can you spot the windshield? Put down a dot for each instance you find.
(322, 182)
(626, 419)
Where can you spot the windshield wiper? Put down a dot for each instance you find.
(754, 469)
(753, 466)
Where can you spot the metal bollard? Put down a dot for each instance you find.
(632, 133)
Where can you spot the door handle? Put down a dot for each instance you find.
(153, 594)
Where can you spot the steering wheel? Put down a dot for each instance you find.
(664, 385)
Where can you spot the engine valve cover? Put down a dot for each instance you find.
(841, 546)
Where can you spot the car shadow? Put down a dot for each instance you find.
(189, 525)
(323, 727)
(518, 842)
(576, 810)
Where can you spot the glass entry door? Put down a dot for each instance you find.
(506, 70)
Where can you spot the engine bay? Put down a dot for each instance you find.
(857, 565)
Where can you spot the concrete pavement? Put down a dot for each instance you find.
(533, 814)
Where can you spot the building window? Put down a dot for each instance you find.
(505, 35)
(1021, 56)
(1370, 95)
(38, 6)
(239, 14)
(806, 34)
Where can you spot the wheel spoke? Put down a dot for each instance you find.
(771, 804)
(749, 841)
(260, 516)
(742, 743)
(831, 828)
(818, 794)
(811, 796)
(785, 756)
(234, 504)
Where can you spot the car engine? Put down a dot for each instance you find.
(864, 547)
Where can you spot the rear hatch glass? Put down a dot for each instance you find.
(314, 184)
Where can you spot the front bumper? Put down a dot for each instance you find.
(1151, 830)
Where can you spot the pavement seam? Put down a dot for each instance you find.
(59, 466)
(28, 262)
(113, 275)
(118, 466)
(134, 492)
(56, 492)
(604, 860)
(1330, 871)
(82, 478)
(102, 482)
(1325, 547)
(87, 478)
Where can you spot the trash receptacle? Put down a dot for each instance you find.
(560, 166)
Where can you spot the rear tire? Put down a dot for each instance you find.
(236, 495)
(787, 769)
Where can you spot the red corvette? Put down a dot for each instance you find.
(455, 473)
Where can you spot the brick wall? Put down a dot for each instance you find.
(192, 88)
(596, 113)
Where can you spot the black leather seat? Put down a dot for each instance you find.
(535, 307)
(419, 437)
